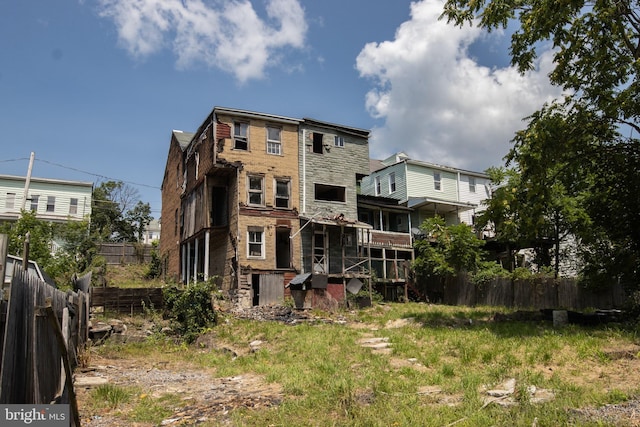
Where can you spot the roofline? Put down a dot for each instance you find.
(447, 168)
(435, 166)
(347, 129)
(255, 114)
(48, 180)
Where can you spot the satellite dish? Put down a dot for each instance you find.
(415, 230)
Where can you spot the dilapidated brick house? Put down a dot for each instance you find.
(239, 205)
(268, 206)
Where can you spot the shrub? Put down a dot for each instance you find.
(191, 308)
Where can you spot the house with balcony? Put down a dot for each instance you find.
(429, 189)
(238, 205)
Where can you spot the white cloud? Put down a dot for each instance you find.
(439, 104)
(226, 34)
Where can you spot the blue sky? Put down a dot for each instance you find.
(95, 87)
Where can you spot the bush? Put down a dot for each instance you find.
(191, 308)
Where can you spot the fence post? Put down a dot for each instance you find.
(65, 360)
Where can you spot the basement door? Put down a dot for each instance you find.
(268, 289)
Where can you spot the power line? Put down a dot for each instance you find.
(96, 175)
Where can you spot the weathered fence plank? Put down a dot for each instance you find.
(127, 300)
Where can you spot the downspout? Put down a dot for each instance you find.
(304, 171)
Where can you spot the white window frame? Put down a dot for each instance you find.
(437, 181)
(51, 204)
(10, 201)
(274, 146)
(255, 238)
(392, 182)
(35, 200)
(239, 137)
(278, 197)
(254, 191)
(73, 206)
(472, 184)
(338, 141)
(377, 187)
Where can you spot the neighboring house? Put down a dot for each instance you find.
(172, 189)
(429, 189)
(52, 200)
(238, 205)
(151, 232)
(333, 159)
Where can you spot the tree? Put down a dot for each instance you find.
(447, 250)
(40, 237)
(117, 213)
(580, 147)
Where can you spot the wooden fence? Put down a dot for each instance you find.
(125, 253)
(127, 300)
(43, 330)
(537, 293)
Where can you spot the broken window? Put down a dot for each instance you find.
(330, 193)
(256, 190)
(283, 189)
(240, 136)
(317, 142)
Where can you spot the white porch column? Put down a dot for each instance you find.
(206, 256)
(188, 270)
(183, 264)
(195, 262)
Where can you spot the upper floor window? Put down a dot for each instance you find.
(256, 190)
(34, 202)
(437, 181)
(472, 184)
(317, 142)
(338, 141)
(51, 203)
(255, 242)
(73, 206)
(283, 190)
(392, 182)
(274, 143)
(377, 184)
(10, 201)
(240, 136)
(330, 193)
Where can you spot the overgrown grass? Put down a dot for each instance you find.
(329, 379)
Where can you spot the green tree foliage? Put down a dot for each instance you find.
(578, 156)
(191, 308)
(41, 235)
(117, 213)
(447, 250)
(72, 257)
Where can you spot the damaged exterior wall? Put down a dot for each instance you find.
(240, 204)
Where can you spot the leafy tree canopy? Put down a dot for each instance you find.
(578, 157)
(118, 214)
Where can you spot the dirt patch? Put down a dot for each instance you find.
(203, 398)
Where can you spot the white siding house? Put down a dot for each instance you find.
(429, 189)
(51, 199)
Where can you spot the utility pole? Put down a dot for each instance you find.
(27, 182)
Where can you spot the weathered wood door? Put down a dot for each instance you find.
(271, 289)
